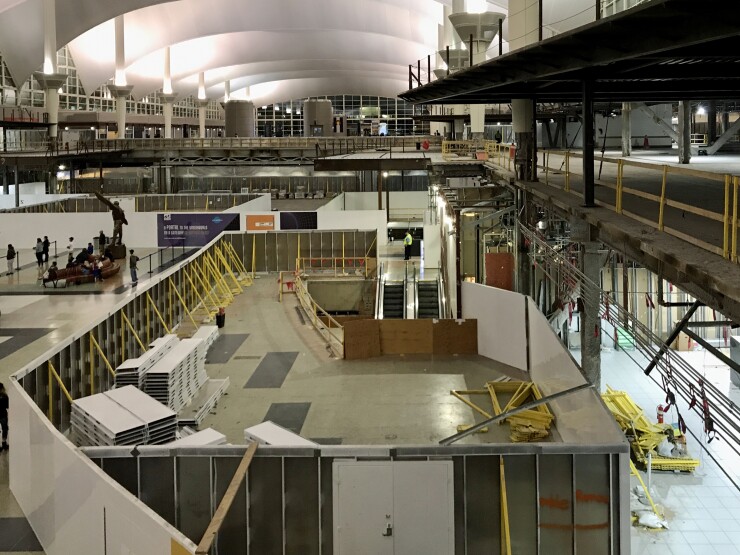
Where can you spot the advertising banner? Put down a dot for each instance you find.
(256, 222)
(298, 220)
(193, 230)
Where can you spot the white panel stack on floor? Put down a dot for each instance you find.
(269, 433)
(123, 416)
(209, 436)
(175, 378)
(132, 371)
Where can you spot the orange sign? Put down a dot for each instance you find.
(261, 223)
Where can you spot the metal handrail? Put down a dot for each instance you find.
(441, 298)
(416, 296)
(314, 311)
(378, 294)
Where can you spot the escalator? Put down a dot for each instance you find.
(427, 299)
(394, 302)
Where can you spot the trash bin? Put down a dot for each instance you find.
(221, 318)
(418, 146)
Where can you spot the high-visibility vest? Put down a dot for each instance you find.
(407, 240)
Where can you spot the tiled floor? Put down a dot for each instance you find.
(703, 509)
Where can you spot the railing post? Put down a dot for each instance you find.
(726, 219)
(662, 198)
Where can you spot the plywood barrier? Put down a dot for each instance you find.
(369, 338)
(361, 339)
(455, 337)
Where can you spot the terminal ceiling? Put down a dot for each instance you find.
(281, 49)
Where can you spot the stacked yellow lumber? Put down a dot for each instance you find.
(529, 425)
(644, 435)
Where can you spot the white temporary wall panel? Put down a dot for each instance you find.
(501, 322)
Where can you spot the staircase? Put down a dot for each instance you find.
(428, 295)
(393, 304)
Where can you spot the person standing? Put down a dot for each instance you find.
(70, 247)
(119, 218)
(407, 242)
(132, 264)
(47, 244)
(39, 253)
(10, 256)
(4, 406)
(102, 241)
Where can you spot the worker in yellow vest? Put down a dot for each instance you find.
(407, 240)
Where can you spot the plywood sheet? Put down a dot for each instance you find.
(500, 270)
(406, 337)
(361, 339)
(453, 337)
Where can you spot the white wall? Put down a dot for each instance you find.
(22, 229)
(355, 219)
(337, 203)
(28, 197)
(66, 496)
(413, 202)
(432, 248)
(263, 203)
(501, 323)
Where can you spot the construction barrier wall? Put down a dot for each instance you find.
(373, 338)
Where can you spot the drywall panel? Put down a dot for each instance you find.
(361, 339)
(263, 203)
(455, 337)
(405, 337)
(501, 326)
(432, 247)
(27, 198)
(72, 505)
(580, 417)
(409, 201)
(354, 219)
(337, 203)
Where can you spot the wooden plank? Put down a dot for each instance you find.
(361, 339)
(204, 547)
(405, 337)
(455, 337)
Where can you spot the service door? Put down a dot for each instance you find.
(393, 508)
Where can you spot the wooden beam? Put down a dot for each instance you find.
(204, 547)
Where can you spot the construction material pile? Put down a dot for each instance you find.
(132, 371)
(125, 416)
(665, 444)
(526, 426)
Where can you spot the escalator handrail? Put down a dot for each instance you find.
(379, 294)
(416, 296)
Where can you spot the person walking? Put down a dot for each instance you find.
(39, 254)
(4, 406)
(10, 256)
(47, 244)
(119, 219)
(132, 264)
(407, 242)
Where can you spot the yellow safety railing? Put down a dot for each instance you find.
(331, 330)
(501, 154)
(557, 171)
(459, 148)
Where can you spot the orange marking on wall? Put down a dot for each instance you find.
(554, 503)
(595, 497)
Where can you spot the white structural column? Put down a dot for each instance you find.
(202, 103)
(50, 78)
(524, 30)
(227, 91)
(626, 129)
(168, 96)
(120, 89)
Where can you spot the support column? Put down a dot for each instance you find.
(202, 103)
(712, 121)
(6, 185)
(50, 79)
(121, 94)
(588, 144)
(626, 129)
(684, 132)
(120, 90)
(725, 119)
(590, 318)
(527, 216)
(17, 187)
(168, 100)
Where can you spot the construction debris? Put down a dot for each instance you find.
(665, 445)
(526, 426)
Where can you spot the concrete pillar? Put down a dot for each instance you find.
(202, 118)
(626, 129)
(589, 145)
(227, 91)
(725, 119)
(317, 113)
(527, 216)
(590, 317)
(684, 132)
(240, 117)
(121, 94)
(712, 121)
(120, 90)
(50, 78)
(17, 187)
(168, 100)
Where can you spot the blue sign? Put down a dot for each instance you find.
(193, 230)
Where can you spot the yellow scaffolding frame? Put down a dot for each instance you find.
(218, 279)
(53, 372)
(184, 304)
(200, 297)
(159, 315)
(94, 343)
(240, 268)
(220, 256)
(214, 300)
(505, 529)
(133, 331)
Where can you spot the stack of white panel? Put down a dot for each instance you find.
(132, 371)
(125, 416)
(208, 334)
(203, 403)
(209, 436)
(175, 378)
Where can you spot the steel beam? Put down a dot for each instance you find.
(671, 338)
